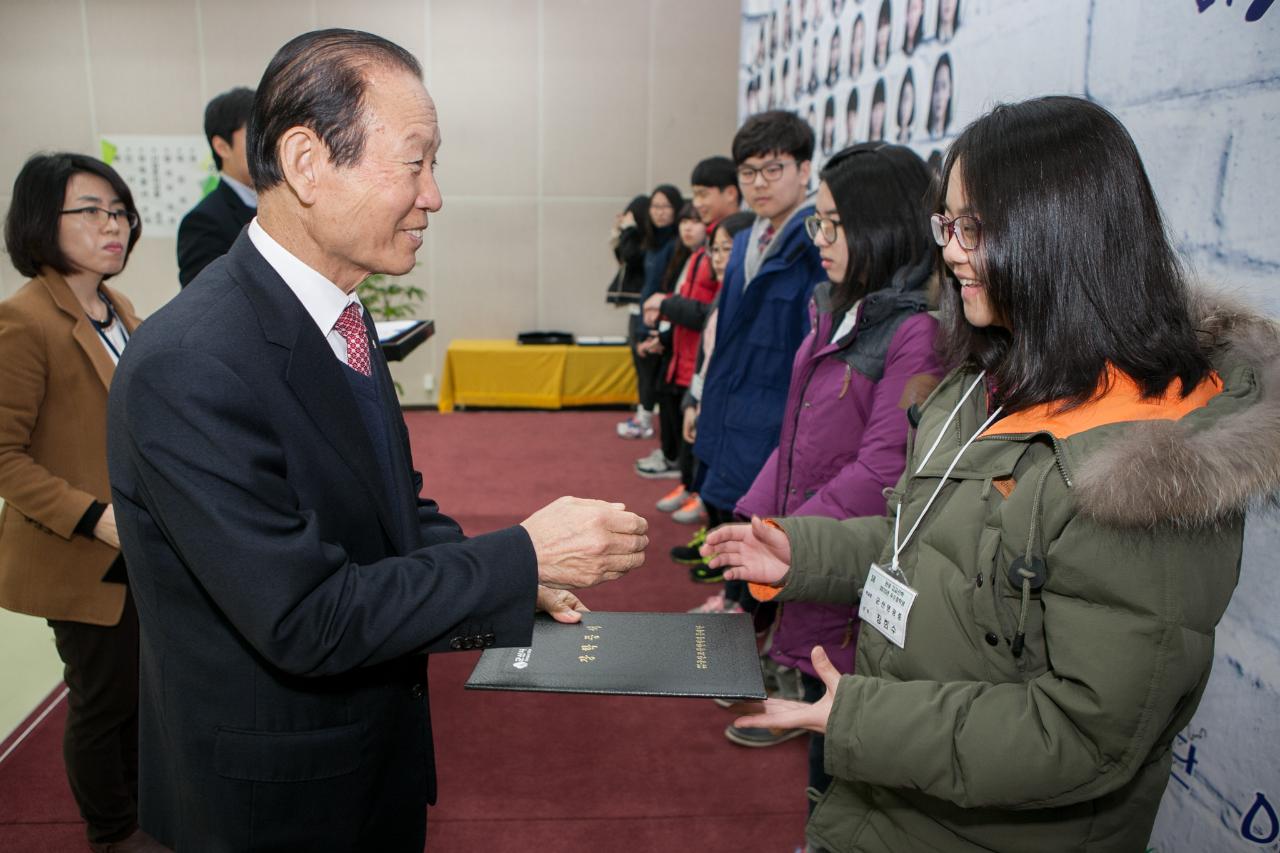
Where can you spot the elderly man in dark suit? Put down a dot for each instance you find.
(209, 228)
(289, 580)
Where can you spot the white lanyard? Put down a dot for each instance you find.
(897, 548)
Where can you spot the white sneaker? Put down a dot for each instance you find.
(655, 455)
(658, 469)
(633, 428)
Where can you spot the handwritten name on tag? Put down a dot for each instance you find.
(885, 604)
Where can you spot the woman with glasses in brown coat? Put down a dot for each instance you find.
(70, 227)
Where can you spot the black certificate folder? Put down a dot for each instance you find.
(639, 654)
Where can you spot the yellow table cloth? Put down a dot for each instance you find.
(551, 376)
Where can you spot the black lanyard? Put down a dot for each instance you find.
(101, 328)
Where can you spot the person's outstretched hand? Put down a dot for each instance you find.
(755, 552)
(561, 604)
(787, 714)
(582, 542)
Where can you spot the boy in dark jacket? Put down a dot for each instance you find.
(763, 316)
(715, 196)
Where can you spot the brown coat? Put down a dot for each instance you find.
(54, 376)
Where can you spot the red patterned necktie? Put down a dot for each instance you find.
(351, 327)
(766, 237)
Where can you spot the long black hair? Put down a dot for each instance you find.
(1074, 255)
(33, 224)
(655, 237)
(880, 193)
(681, 253)
(638, 207)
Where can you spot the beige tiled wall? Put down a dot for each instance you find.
(553, 114)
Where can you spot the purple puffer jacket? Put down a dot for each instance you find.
(843, 440)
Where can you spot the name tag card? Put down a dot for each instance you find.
(885, 604)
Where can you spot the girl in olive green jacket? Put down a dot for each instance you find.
(1039, 604)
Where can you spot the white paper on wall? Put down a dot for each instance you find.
(166, 174)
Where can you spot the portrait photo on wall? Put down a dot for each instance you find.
(813, 68)
(884, 34)
(798, 53)
(829, 126)
(851, 118)
(875, 127)
(857, 46)
(800, 81)
(914, 26)
(940, 98)
(906, 107)
(833, 58)
(948, 20)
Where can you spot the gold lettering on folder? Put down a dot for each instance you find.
(700, 646)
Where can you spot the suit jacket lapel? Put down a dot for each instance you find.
(83, 332)
(313, 373)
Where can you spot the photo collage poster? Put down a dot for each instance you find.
(855, 70)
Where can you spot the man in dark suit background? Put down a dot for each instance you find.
(209, 228)
(289, 580)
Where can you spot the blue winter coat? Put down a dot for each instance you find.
(757, 334)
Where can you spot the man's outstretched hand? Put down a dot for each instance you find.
(757, 552)
(561, 604)
(582, 542)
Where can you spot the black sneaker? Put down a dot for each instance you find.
(702, 573)
(688, 553)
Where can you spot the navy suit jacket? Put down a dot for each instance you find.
(285, 598)
(208, 230)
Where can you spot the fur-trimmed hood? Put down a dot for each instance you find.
(1166, 472)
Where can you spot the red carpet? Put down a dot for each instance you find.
(536, 772)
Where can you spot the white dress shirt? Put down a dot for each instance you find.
(322, 299)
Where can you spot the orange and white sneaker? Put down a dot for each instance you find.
(692, 511)
(674, 499)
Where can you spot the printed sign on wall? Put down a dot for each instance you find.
(167, 175)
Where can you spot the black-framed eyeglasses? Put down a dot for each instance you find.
(815, 225)
(98, 216)
(771, 171)
(966, 229)
(719, 250)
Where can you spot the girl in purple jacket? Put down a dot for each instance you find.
(868, 358)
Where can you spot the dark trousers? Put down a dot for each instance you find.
(688, 462)
(100, 743)
(647, 378)
(670, 421)
(733, 590)
(818, 778)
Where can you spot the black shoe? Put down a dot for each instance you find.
(688, 553)
(702, 573)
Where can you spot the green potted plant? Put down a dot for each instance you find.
(385, 298)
